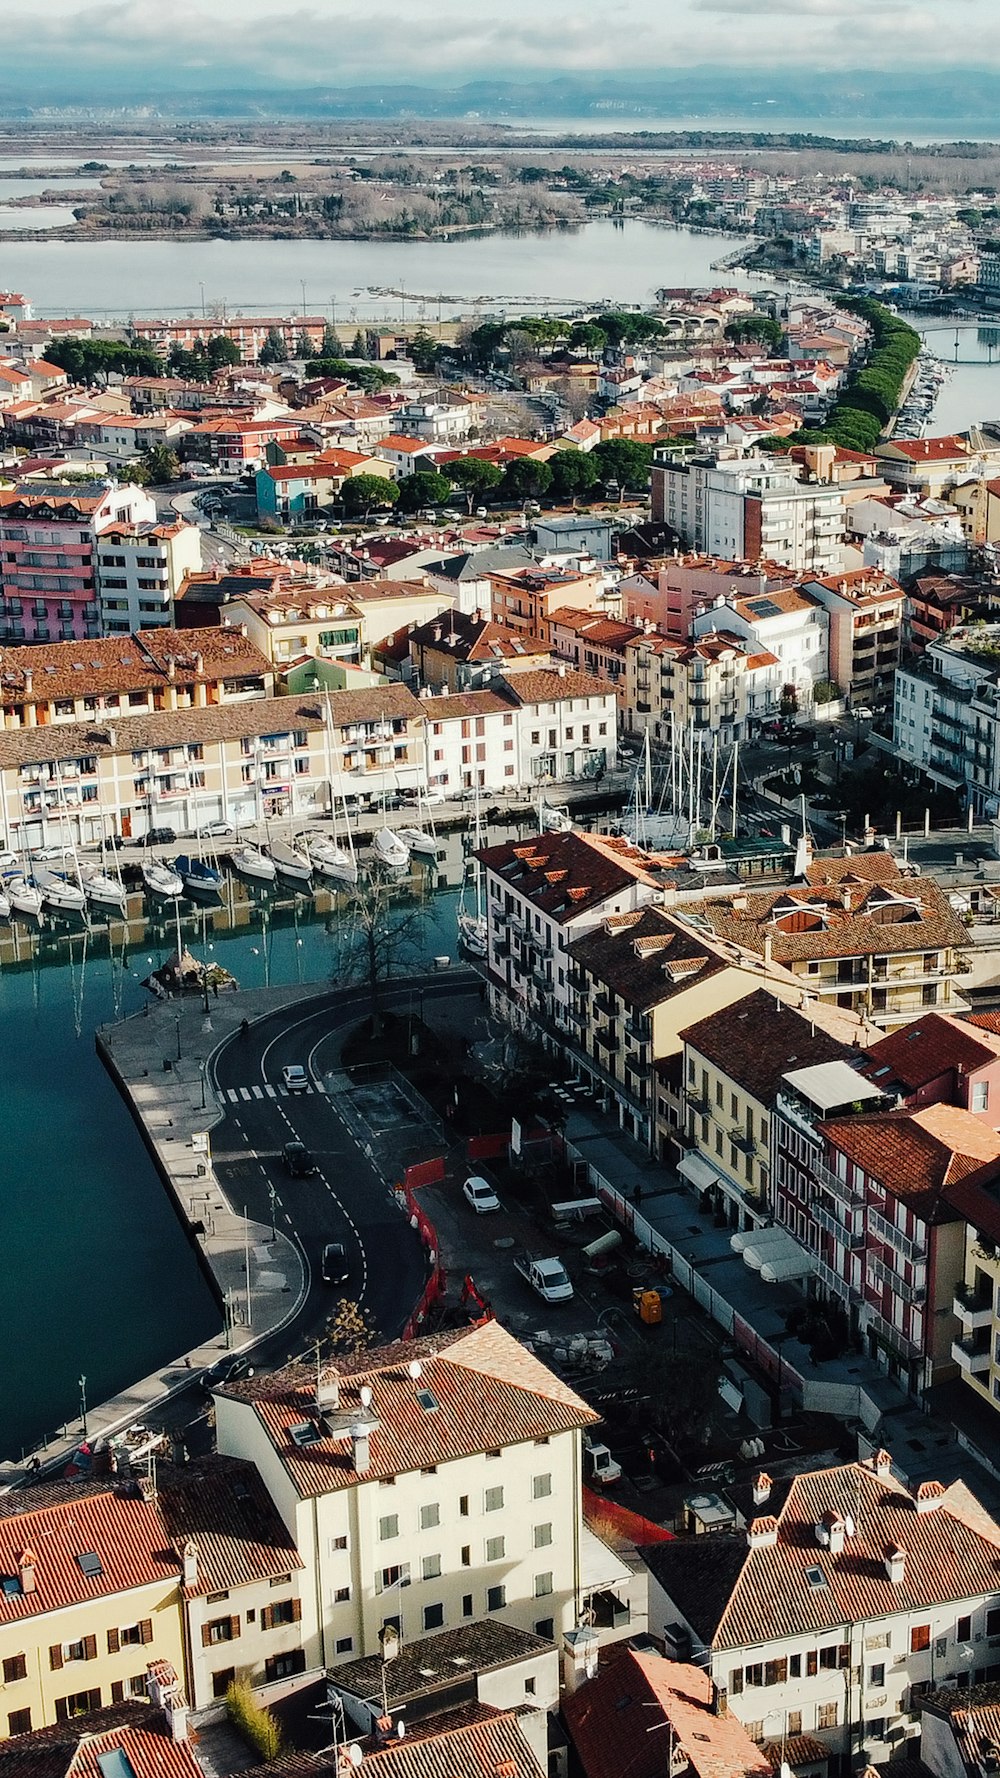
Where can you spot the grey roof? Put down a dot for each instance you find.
(438, 1660)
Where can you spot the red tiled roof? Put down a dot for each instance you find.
(489, 1390)
(545, 685)
(72, 1749)
(475, 1742)
(125, 1534)
(618, 1721)
(758, 1039)
(565, 874)
(926, 1048)
(815, 921)
(917, 1155)
(927, 450)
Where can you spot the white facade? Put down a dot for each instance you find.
(139, 574)
(566, 737)
(472, 741)
(788, 625)
(751, 507)
(946, 719)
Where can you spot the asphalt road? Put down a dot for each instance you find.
(346, 1201)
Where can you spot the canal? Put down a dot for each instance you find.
(99, 1278)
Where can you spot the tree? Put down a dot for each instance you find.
(426, 487)
(92, 361)
(587, 336)
(331, 346)
(303, 345)
(359, 348)
(274, 350)
(623, 460)
(158, 466)
(254, 1721)
(423, 352)
(789, 704)
(476, 477)
(382, 939)
(222, 350)
(361, 494)
(758, 328)
(349, 1330)
(572, 473)
(525, 478)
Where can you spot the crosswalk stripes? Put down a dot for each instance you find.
(244, 1092)
(258, 1092)
(272, 1092)
(237, 1095)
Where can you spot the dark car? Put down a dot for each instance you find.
(335, 1268)
(160, 836)
(226, 1370)
(298, 1160)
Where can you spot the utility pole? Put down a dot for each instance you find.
(83, 1404)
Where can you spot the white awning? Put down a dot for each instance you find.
(758, 1238)
(698, 1172)
(776, 1256)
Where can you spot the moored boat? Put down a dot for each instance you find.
(290, 861)
(250, 861)
(58, 892)
(160, 879)
(389, 849)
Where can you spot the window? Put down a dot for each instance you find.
(811, 1663)
(754, 1674)
(963, 1629)
(794, 1726)
(19, 1722)
(826, 1716)
(430, 1516)
(222, 1680)
(920, 1638)
(795, 1666)
(220, 1629)
(388, 1527)
(341, 1595)
(344, 1645)
(466, 1604)
(545, 1627)
(78, 1704)
(285, 1611)
(980, 1095)
(775, 1672)
(495, 1549)
(433, 1617)
(430, 1568)
(541, 1487)
(529, 1688)
(283, 1666)
(463, 1506)
(736, 1682)
(493, 1499)
(466, 1555)
(14, 1667)
(876, 1673)
(496, 1598)
(755, 1730)
(837, 1655)
(993, 1622)
(543, 1585)
(542, 1536)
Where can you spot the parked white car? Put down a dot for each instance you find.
(480, 1194)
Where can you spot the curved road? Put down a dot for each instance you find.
(347, 1201)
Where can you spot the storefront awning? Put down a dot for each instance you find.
(698, 1172)
(774, 1254)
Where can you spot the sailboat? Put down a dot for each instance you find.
(197, 876)
(473, 929)
(389, 849)
(250, 861)
(160, 879)
(417, 838)
(552, 820)
(102, 886)
(58, 892)
(291, 862)
(22, 895)
(328, 856)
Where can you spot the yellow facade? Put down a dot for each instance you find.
(84, 1656)
(977, 1305)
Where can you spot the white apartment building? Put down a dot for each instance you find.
(946, 714)
(472, 741)
(749, 508)
(140, 569)
(567, 724)
(847, 1598)
(423, 1491)
(789, 625)
(542, 894)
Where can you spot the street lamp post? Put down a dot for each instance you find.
(177, 1023)
(273, 1197)
(83, 1404)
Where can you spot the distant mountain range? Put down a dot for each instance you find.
(954, 99)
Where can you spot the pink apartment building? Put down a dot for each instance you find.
(49, 588)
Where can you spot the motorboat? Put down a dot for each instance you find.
(160, 879)
(250, 861)
(290, 862)
(198, 877)
(330, 859)
(416, 840)
(554, 820)
(103, 889)
(58, 892)
(389, 849)
(4, 905)
(23, 896)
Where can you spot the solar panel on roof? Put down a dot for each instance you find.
(90, 1564)
(764, 608)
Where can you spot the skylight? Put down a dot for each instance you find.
(428, 1400)
(816, 1578)
(90, 1564)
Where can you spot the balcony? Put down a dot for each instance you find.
(606, 1037)
(835, 1284)
(972, 1354)
(831, 1182)
(606, 1005)
(893, 1337)
(887, 1232)
(973, 1308)
(879, 1274)
(835, 1227)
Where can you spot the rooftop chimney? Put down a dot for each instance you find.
(929, 1496)
(837, 1530)
(762, 1534)
(165, 1694)
(361, 1445)
(26, 1564)
(328, 1392)
(895, 1563)
(882, 1465)
(189, 1563)
(761, 1488)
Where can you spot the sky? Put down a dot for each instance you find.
(234, 43)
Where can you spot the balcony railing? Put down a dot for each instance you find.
(835, 1283)
(888, 1232)
(915, 1290)
(972, 1354)
(836, 1227)
(832, 1182)
(973, 1308)
(892, 1336)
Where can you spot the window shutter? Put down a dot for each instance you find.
(267, 1618)
(811, 1663)
(55, 1656)
(62, 1708)
(206, 1635)
(90, 1648)
(146, 1630)
(113, 1642)
(296, 1611)
(234, 1627)
(117, 1691)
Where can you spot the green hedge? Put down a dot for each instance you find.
(872, 394)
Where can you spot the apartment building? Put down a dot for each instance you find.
(184, 768)
(154, 670)
(667, 593)
(976, 1306)
(391, 606)
(464, 651)
(567, 724)
(937, 1060)
(750, 507)
(735, 1060)
(635, 981)
(865, 635)
(857, 934)
(249, 332)
(927, 466)
(526, 598)
(717, 685)
(300, 617)
(425, 1486)
(49, 532)
(472, 741)
(593, 643)
(788, 624)
(845, 1601)
(140, 571)
(946, 713)
(541, 895)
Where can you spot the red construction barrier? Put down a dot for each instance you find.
(487, 1148)
(424, 1173)
(631, 1526)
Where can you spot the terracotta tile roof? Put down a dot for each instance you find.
(856, 867)
(474, 638)
(125, 1533)
(594, 626)
(786, 599)
(795, 1751)
(72, 1749)
(477, 1742)
(918, 1155)
(926, 450)
(489, 1392)
(223, 1505)
(736, 1597)
(618, 1721)
(464, 703)
(882, 920)
(128, 663)
(629, 954)
(985, 1021)
(565, 874)
(758, 1039)
(974, 1716)
(543, 685)
(926, 1048)
(68, 503)
(420, 1667)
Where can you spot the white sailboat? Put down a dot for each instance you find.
(552, 820)
(250, 861)
(22, 894)
(100, 887)
(328, 856)
(4, 905)
(390, 850)
(416, 840)
(291, 862)
(58, 892)
(473, 930)
(160, 879)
